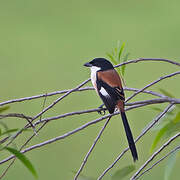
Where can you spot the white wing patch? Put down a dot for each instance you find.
(103, 92)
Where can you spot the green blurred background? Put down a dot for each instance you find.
(43, 45)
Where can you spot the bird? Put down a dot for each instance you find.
(108, 86)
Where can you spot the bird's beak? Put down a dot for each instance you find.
(87, 64)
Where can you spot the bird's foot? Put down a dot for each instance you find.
(101, 111)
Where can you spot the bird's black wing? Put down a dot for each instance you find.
(109, 95)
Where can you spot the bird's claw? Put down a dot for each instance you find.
(101, 111)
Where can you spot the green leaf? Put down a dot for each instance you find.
(124, 66)
(122, 173)
(111, 58)
(167, 130)
(169, 166)
(4, 125)
(23, 159)
(159, 135)
(177, 118)
(2, 109)
(9, 131)
(120, 52)
(166, 93)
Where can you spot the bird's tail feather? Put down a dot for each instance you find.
(129, 136)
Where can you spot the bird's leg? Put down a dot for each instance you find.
(102, 111)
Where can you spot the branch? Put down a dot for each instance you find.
(83, 89)
(133, 105)
(137, 139)
(152, 83)
(78, 88)
(149, 59)
(65, 91)
(81, 128)
(160, 160)
(28, 118)
(49, 107)
(154, 155)
(91, 149)
(43, 95)
(61, 137)
(60, 98)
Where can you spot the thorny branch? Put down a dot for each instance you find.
(161, 99)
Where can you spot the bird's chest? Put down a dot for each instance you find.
(94, 76)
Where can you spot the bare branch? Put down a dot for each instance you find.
(145, 91)
(15, 115)
(62, 136)
(160, 160)
(133, 105)
(47, 108)
(60, 98)
(139, 103)
(91, 149)
(149, 59)
(65, 91)
(28, 119)
(137, 139)
(154, 155)
(152, 83)
(83, 89)
(43, 95)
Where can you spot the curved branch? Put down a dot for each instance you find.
(83, 89)
(152, 83)
(154, 155)
(137, 139)
(160, 160)
(149, 59)
(91, 149)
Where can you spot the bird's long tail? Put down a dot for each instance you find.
(129, 136)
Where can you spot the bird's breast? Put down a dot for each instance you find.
(94, 76)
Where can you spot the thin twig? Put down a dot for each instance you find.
(149, 59)
(152, 83)
(60, 98)
(17, 115)
(139, 103)
(154, 155)
(67, 92)
(60, 137)
(47, 108)
(12, 162)
(91, 149)
(160, 160)
(75, 130)
(64, 91)
(40, 115)
(145, 91)
(43, 95)
(137, 139)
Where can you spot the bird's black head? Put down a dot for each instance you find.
(101, 63)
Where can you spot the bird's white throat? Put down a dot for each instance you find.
(94, 70)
